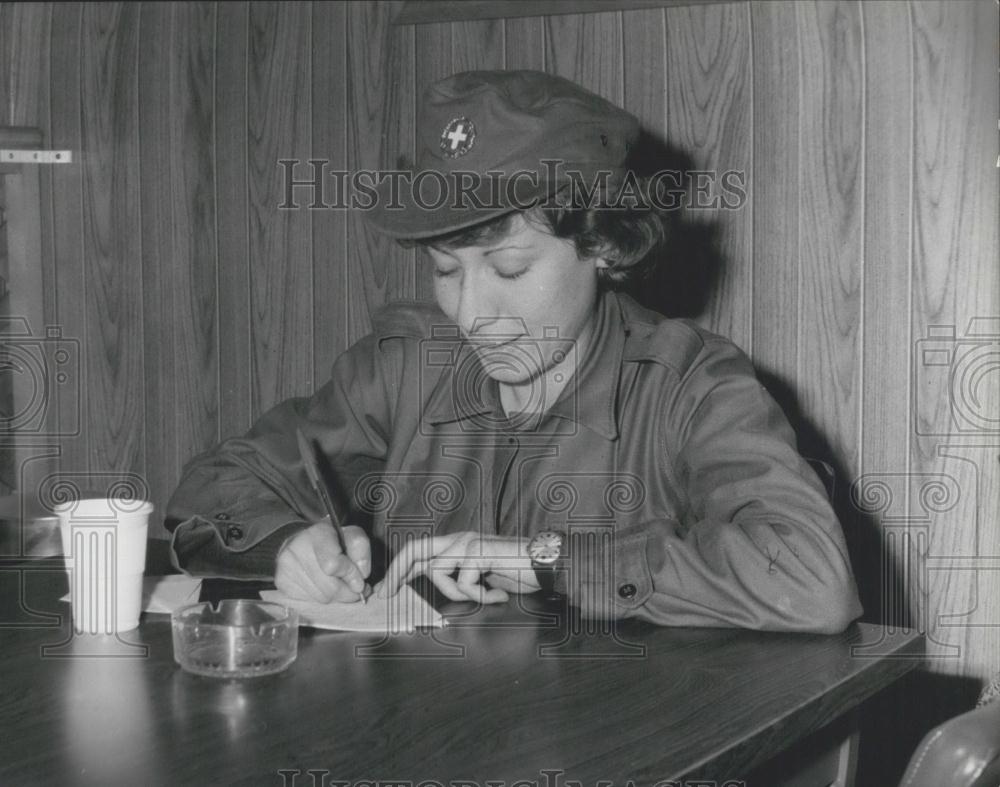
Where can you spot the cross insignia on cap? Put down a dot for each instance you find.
(458, 137)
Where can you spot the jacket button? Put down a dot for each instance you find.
(628, 590)
(234, 533)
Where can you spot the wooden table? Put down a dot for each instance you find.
(503, 693)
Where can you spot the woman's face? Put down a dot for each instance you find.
(524, 301)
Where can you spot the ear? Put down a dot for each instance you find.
(606, 256)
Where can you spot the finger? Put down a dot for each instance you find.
(292, 589)
(325, 545)
(331, 560)
(343, 584)
(418, 568)
(291, 573)
(448, 554)
(495, 580)
(440, 570)
(469, 573)
(469, 583)
(359, 549)
(416, 550)
(344, 570)
(346, 594)
(299, 564)
(485, 595)
(449, 588)
(291, 568)
(438, 565)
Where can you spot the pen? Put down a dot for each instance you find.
(309, 460)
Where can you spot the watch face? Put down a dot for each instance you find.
(545, 547)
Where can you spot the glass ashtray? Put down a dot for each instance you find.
(238, 638)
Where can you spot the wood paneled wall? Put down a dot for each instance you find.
(867, 132)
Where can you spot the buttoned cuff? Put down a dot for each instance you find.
(607, 573)
(222, 547)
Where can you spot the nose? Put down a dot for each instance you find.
(478, 311)
(469, 312)
(480, 317)
(482, 312)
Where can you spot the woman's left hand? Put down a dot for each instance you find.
(488, 567)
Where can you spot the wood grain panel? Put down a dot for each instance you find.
(176, 117)
(70, 282)
(433, 60)
(29, 64)
(33, 293)
(881, 563)
(111, 239)
(193, 229)
(232, 216)
(157, 40)
(478, 45)
(955, 280)
(280, 243)
(30, 102)
(884, 361)
(775, 189)
(644, 68)
(830, 225)
(524, 44)
(28, 386)
(587, 48)
(380, 108)
(708, 116)
(329, 142)
(6, 30)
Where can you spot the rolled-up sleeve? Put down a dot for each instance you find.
(757, 544)
(237, 504)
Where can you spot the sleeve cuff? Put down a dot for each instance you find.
(223, 548)
(607, 574)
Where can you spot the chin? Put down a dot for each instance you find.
(501, 369)
(512, 362)
(509, 376)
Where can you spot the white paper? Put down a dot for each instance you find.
(406, 611)
(167, 593)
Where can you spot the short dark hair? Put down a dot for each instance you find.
(629, 238)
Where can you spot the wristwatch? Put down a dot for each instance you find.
(547, 551)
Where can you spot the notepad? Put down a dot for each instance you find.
(406, 611)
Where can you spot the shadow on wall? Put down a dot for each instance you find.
(687, 272)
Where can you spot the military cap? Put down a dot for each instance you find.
(490, 142)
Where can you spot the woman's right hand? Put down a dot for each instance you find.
(311, 565)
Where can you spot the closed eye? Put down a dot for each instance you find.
(441, 274)
(513, 275)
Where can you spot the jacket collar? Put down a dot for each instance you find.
(464, 393)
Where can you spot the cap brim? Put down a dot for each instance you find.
(415, 214)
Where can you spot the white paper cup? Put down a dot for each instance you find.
(104, 546)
